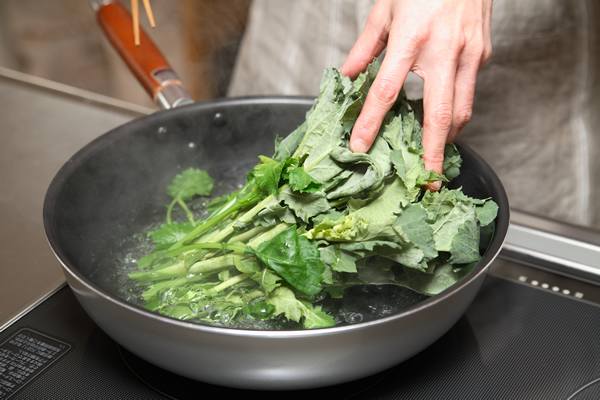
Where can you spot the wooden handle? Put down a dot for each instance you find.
(144, 59)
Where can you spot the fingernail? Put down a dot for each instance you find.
(359, 146)
(435, 186)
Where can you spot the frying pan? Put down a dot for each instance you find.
(110, 190)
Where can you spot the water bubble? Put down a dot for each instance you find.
(354, 318)
(196, 305)
(386, 310)
(168, 295)
(219, 119)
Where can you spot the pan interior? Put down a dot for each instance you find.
(110, 194)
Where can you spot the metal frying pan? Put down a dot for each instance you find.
(111, 188)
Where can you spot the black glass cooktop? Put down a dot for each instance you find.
(533, 332)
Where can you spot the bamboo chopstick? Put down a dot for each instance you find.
(149, 12)
(135, 11)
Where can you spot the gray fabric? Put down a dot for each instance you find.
(527, 119)
(288, 44)
(532, 119)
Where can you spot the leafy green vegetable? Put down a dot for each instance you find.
(302, 182)
(285, 302)
(189, 183)
(169, 234)
(317, 218)
(185, 186)
(295, 259)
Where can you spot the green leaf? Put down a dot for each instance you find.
(444, 276)
(304, 205)
(412, 223)
(273, 214)
(285, 148)
(267, 174)
(339, 260)
(452, 161)
(189, 183)
(315, 317)
(324, 128)
(373, 274)
(295, 259)
(166, 235)
(247, 266)
(223, 275)
(331, 214)
(301, 181)
(374, 220)
(487, 212)
(285, 302)
(289, 164)
(439, 204)
(267, 279)
(465, 244)
(447, 227)
(377, 166)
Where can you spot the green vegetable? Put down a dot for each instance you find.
(185, 186)
(316, 218)
(295, 259)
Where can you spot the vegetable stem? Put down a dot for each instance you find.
(173, 271)
(213, 264)
(249, 234)
(242, 200)
(268, 235)
(238, 249)
(244, 219)
(232, 281)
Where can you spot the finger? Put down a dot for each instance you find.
(474, 56)
(438, 99)
(487, 22)
(464, 93)
(381, 97)
(371, 42)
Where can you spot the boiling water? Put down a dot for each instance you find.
(359, 304)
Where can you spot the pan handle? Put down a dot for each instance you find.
(145, 61)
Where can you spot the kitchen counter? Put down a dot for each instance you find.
(42, 124)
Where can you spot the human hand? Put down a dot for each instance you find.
(446, 43)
